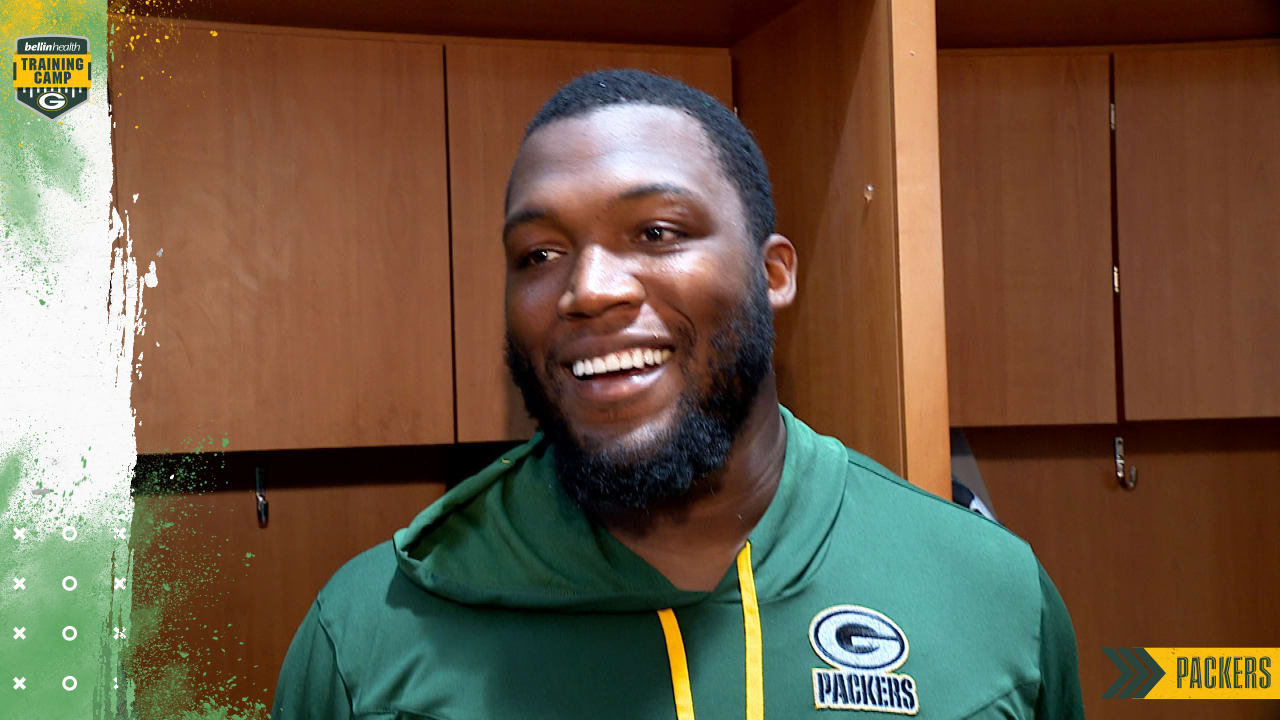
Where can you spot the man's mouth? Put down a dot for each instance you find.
(623, 361)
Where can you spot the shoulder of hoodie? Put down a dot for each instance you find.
(988, 576)
(372, 581)
(356, 598)
(980, 547)
(375, 566)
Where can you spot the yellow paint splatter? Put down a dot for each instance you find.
(214, 33)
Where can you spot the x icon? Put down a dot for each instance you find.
(19, 583)
(119, 584)
(119, 633)
(19, 533)
(19, 683)
(19, 633)
(120, 533)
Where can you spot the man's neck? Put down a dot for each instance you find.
(694, 545)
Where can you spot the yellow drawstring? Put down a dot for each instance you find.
(754, 648)
(751, 629)
(679, 667)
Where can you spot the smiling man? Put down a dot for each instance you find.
(673, 543)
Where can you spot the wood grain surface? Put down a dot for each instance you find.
(494, 89)
(217, 599)
(1186, 559)
(921, 298)
(1026, 201)
(712, 23)
(291, 192)
(815, 88)
(1028, 23)
(1197, 185)
(718, 23)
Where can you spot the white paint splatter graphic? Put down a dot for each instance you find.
(70, 302)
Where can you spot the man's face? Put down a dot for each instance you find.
(625, 242)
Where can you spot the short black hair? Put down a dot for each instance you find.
(740, 157)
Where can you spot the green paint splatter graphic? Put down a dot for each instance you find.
(189, 660)
(66, 592)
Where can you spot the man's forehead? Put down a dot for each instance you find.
(626, 137)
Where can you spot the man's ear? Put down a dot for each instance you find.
(780, 264)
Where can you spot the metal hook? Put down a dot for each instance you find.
(1131, 482)
(1128, 481)
(259, 474)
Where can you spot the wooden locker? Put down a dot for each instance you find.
(289, 186)
(1026, 215)
(1197, 182)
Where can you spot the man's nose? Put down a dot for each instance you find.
(601, 280)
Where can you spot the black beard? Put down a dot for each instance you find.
(629, 487)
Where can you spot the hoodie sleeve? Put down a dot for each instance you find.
(311, 685)
(1059, 673)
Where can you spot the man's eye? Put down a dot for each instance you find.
(657, 234)
(538, 257)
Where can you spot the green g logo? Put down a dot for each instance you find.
(51, 101)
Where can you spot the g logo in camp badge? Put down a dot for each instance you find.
(863, 647)
(51, 73)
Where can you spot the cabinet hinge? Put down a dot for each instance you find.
(1113, 116)
(1115, 279)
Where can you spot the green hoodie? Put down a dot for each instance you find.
(856, 593)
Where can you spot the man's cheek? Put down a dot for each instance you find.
(553, 385)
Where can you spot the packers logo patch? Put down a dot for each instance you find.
(51, 73)
(863, 648)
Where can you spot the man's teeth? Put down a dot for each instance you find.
(624, 360)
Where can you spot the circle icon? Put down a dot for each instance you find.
(69, 583)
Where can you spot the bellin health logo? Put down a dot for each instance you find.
(51, 73)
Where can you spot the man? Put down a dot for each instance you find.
(673, 543)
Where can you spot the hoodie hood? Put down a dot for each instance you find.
(509, 537)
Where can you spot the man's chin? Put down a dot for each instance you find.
(623, 441)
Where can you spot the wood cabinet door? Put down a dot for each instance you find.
(1026, 220)
(494, 90)
(1185, 559)
(214, 593)
(289, 187)
(1198, 224)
